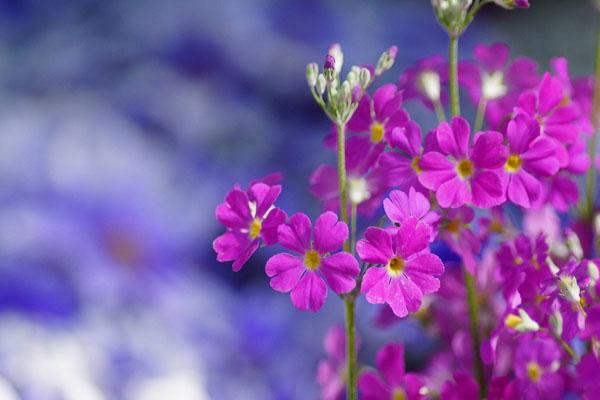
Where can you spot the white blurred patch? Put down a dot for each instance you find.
(180, 385)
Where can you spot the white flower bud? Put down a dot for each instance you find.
(335, 50)
(321, 84)
(364, 78)
(574, 245)
(593, 272)
(556, 323)
(569, 289)
(346, 92)
(386, 60)
(312, 71)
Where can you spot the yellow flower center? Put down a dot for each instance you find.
(415, 164)
(496, 226)
(464, 168)
(518, 260)
(512, 321)
(312, 260)
(513, 164)
(453, 226)
(535, 263)
(254, 229)
(395, 266)
(398, 394)
(534, 371)
(376, 132)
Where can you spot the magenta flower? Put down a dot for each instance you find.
(463, 387)
(403, 167)
(536, 365)
(331, 372)
(456, 231)
(305, 275)
(530, 157)
(461, 175)
(390, 382)
(400, 206)
(588, 371)
(495, 80)
(425, 81)
(379, 115)
(409, 271)
(249, 217)
(558, 118)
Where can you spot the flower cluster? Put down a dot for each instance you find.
(520, 284)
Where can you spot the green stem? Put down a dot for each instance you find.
(349, 302)
(341, 166)
(453, 73)
(591, 173)
(474, 328)
(353, 212)
(439, 111)
(480, 115)
(351, 351)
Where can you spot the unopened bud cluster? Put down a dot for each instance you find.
(339, 99)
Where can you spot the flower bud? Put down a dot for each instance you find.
(335, 51)
(574, 244)
(556, 323)
(521, 322)
(593, 272)
(364, 78)
(510, 4)
(429, 84)
(352, 78)
(346, 92)
(312, 71)
(321, 84)
(451, 14)
(386, 60)
(569, 289)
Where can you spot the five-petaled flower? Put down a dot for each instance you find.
(408, 271)
(304, 275)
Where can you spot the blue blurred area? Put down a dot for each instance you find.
(123, 124)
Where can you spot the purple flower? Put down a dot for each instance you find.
(249, 217)
(461, 175)
(329, 62)
(305, 275)
(379, 115)
(390, 382)
(399, 207)
(366, 181)
(457, 233)
(558, 118)
(530, 156)
(424, 81)
(536, 364)
(495, 80)
(403, 167)
(409, 271)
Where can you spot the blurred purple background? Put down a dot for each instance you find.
(124, 123)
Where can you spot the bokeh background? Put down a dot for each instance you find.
(124, 123)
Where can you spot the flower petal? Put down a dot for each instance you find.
(390, 361)
(284, 270)
(376, 248)
(236, 247)
(295, 235)
(329, 233)
(372, 387)
(340, 271)
(264, 196)
(374, 285)
(310, 292)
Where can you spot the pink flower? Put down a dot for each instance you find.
(331, 372)
(399, 207)
(457, 233)
(461, 175)
(409, 271)
(530, 157)
(390, 382)
(492, 78)
(305, 275)
(379, 115)
(249, 217)
(557, 117)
